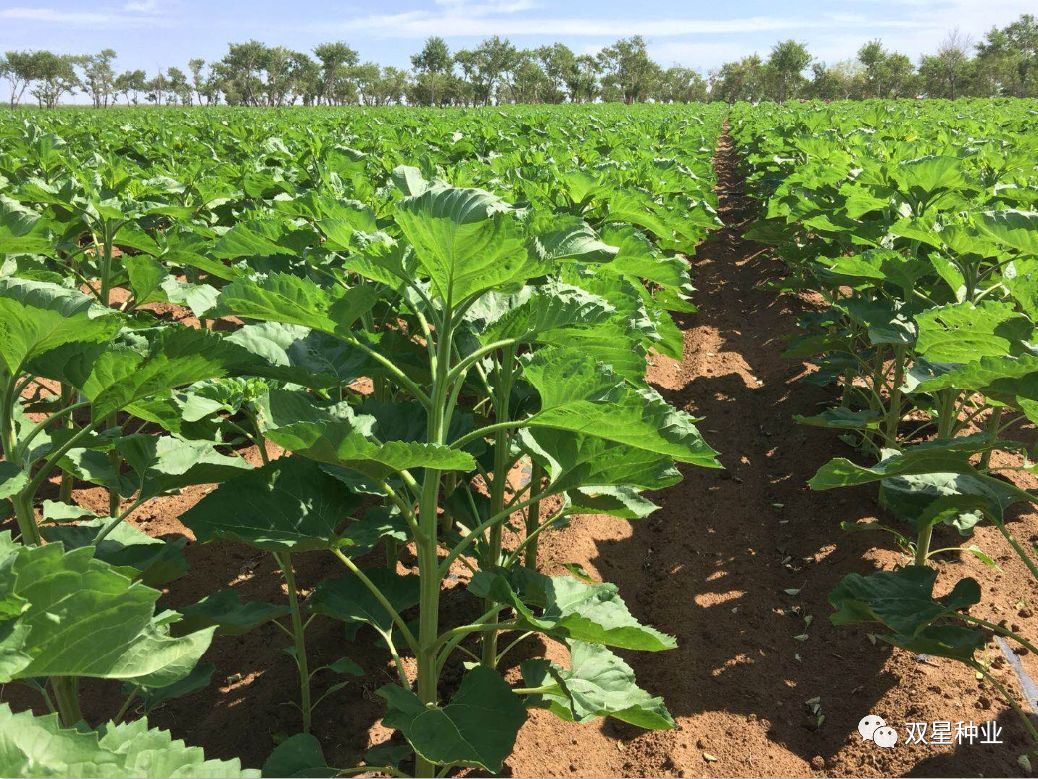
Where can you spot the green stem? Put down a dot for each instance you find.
(894, 412)
(502, 465)
(533, 519)
(284, 560)
(991, 428)
(66, 696)
(1001, 631)
(1024, 557)
(394, 615)
(126, 706)
(946, 413)
(922, 545)
(534, 690)
(68, 394)
(116, 521)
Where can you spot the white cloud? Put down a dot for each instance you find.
(133, 12)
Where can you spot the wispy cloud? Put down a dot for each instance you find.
(132, 13)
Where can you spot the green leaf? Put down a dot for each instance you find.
(159, 562)
(231, 617)
(571, 609)
(281, 297)
(597, 684)
(165, 463)
(23, 231)
(1016, 229)
(466, 240)
(930, 174)
(964, 332)
(12, 479)
(935, 457)
(37, 316)
(290, 505)
(146, 277)
(900, 600)
(71, 599)
(476, 728)
(572, 239)
(550, 307)
(338, 436)
(39, 747)
(149, 363)
(347, 598)
(582, 396)
(153, 697)
(298, 756)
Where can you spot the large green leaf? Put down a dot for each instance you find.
(550, 307)
(290, 505)
(82, 617)
(348, 598)
(338, 436)
(964, 332)
(231, 617)
(148, 363)
(934, 457)
(33, 746)
(166, 463)
(476, 728)
(158, 561)
(571, 609)
(466, 240)
(292, 300)
(901, 600)
(1016, 229)
(597, 684)
(930, 174)
(583, 396)
(37, 316)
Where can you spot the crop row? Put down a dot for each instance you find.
(399, 312)
(915, 225)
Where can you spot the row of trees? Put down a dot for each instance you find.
(496, 71)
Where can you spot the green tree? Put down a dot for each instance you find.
(681, 85)
(627, 69)
(488, 68)
(785, 70)
(178, 86)
(949, 73)
(336, 59)
(887, 74)
(131, 82)
(240, 72)
(557, 62)
(20, 69)
(1007, 58)
(582, 79)
(741, 80)
(99, 77)
(55, 76)
(529, 83)
(433, 67)
(842, 81)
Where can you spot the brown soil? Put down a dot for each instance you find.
(712, 567)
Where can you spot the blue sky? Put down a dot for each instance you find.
(158, 33)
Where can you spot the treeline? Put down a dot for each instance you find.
(1005, 63)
